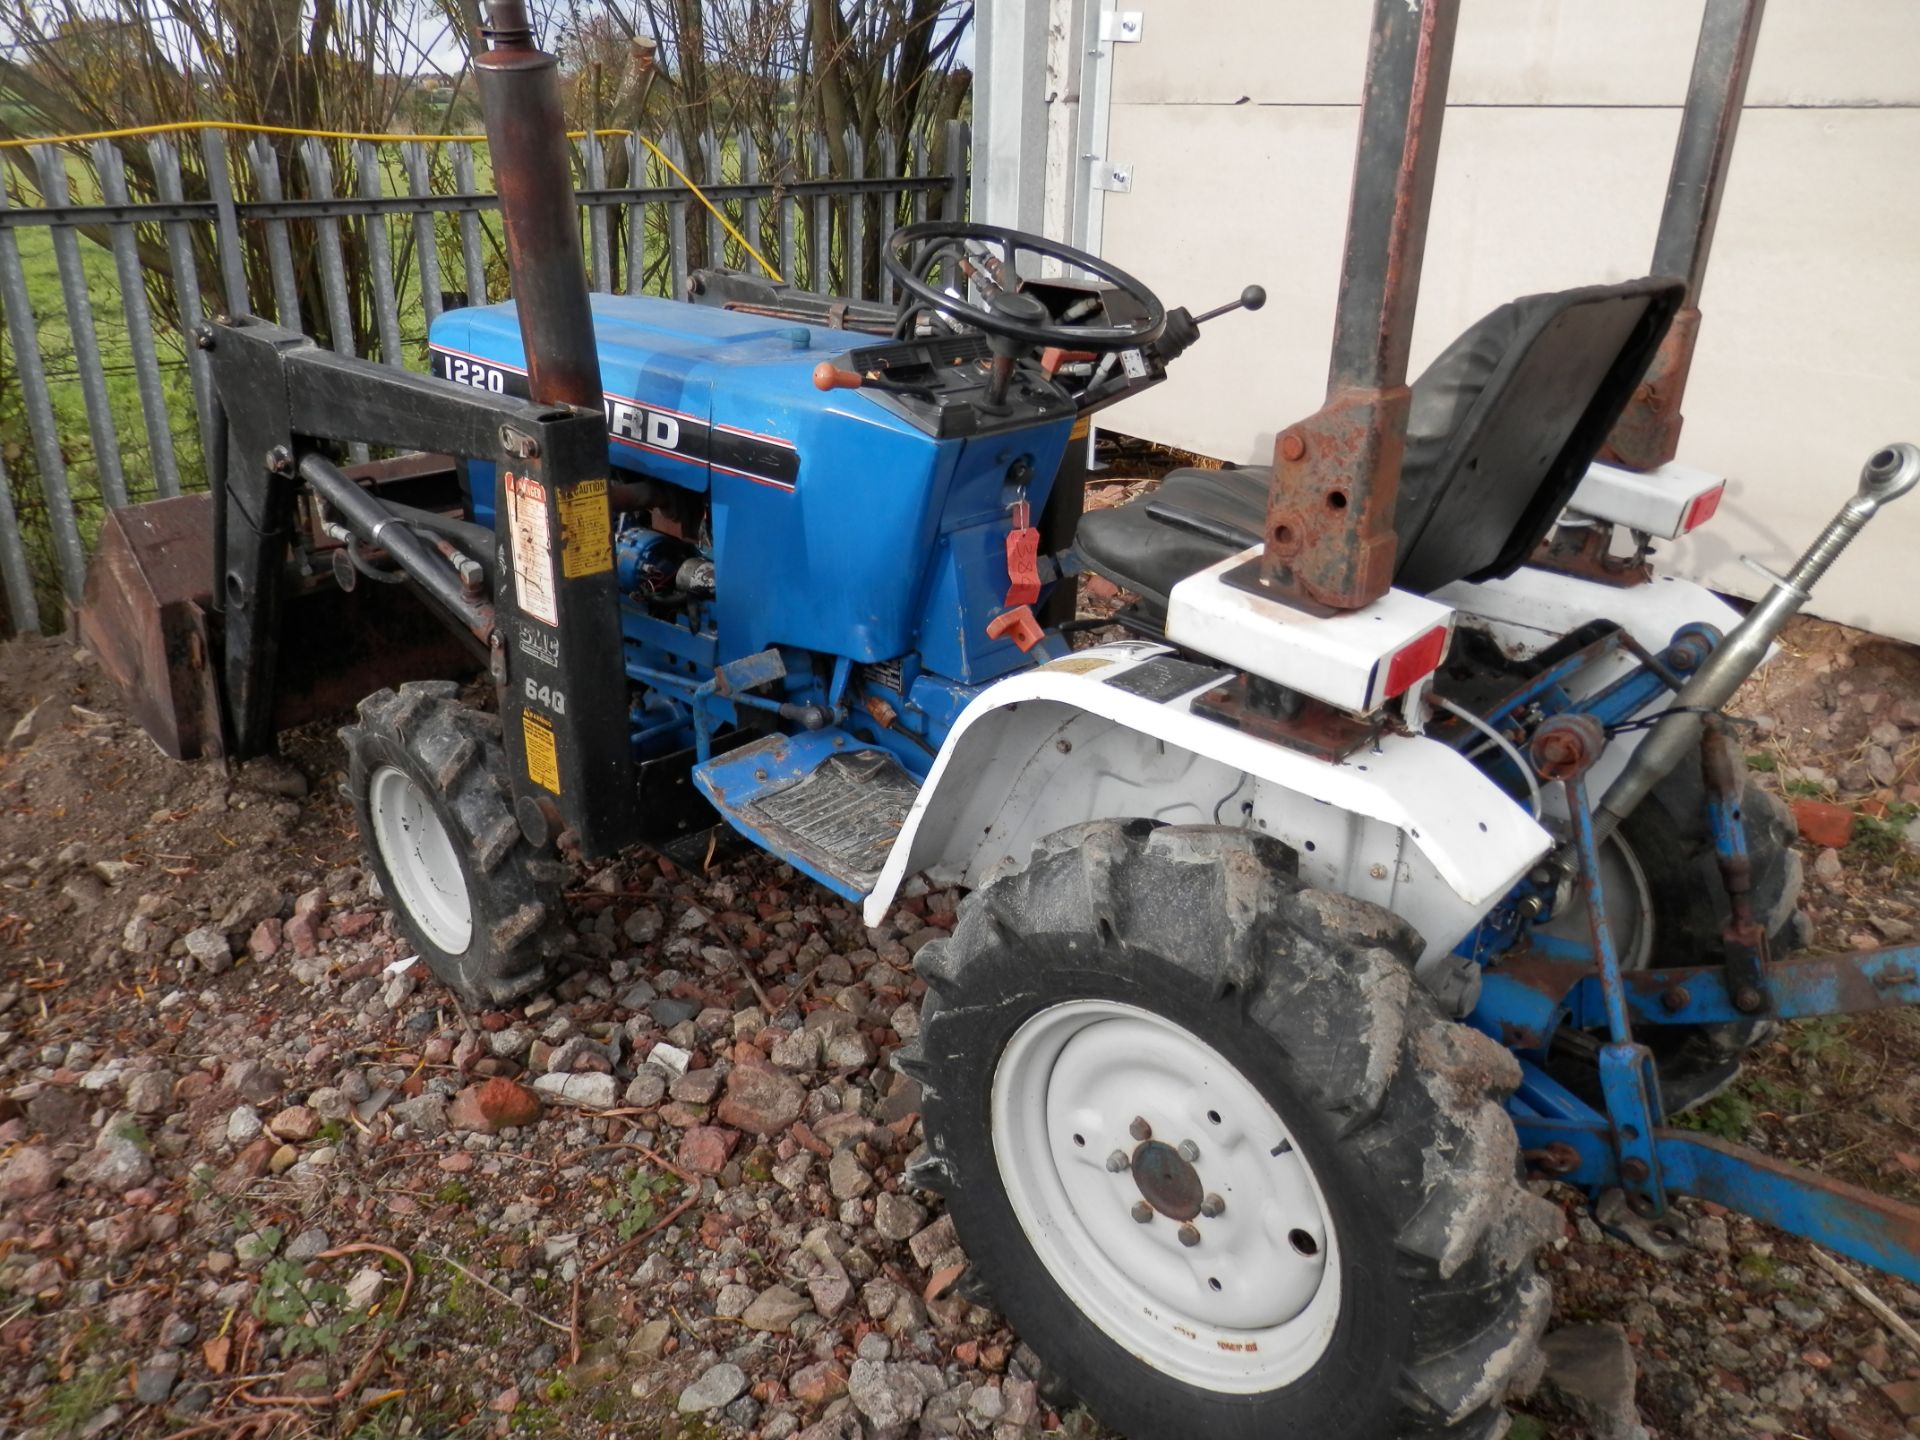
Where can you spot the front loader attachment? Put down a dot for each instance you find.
(147, 614)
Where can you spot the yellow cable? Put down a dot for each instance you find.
(246, 127)
(717, 212)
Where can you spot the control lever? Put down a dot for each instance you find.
(1251, 298)
(1183, 326)
(829, 377)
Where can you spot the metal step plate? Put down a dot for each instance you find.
(822, 800)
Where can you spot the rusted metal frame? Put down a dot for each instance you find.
(1286, 717)
(1585, 551)
(1647, 435)
(1330, 541)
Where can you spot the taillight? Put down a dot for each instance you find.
(1702, 508)
(1414, 660)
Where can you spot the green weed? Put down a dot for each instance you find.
(1727, 1116)
(637, 1206)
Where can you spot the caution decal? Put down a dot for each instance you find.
(543, 756)
(586, 530)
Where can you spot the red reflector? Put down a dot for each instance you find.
(1703, 506)
(1410, 662)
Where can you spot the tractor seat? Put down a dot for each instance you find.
(1502, 427)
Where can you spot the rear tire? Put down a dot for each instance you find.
(1183, 976)
(429, 783)
(1673, 865)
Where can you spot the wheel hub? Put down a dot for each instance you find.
(1167, 1182)
(421, 859)
(1165, 1195)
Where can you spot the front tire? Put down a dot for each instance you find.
(429, 783)
(1149, 1020)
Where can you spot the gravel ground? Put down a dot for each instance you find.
(259, 1175)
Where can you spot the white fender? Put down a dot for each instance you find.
(1110, 732)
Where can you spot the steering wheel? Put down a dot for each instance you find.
(1006, 311)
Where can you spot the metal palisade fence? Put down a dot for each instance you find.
(112, 252)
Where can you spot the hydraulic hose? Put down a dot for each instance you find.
(1891, 473)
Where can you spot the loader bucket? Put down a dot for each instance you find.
(146, 614)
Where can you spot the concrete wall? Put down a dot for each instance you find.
(1238, 120)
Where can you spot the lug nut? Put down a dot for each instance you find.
(1189, 1151)
(1140, 1130)
(1189, 1236)
(1117, 1161)
(1213, 1207)
(1142, 1211)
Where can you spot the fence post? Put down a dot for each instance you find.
(112, 170)
(52, 167)
(22, 606)
(820, 230)
(716, 235)
(599, 236)
(472, 245)
(186, 285)
(750, 206)
(333, 270)
(426, 243)
(266, 180)
(23, 330)
(677, 223)
(380, 250)
(637, 157)
(955, 207)
(785, 171)
(889, 214)
(233, 268)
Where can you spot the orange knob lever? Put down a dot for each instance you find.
(828, 376)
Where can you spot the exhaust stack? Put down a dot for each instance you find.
(527, 134)
(1891, 473)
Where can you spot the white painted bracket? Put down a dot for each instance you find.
(1120, 27)
(1356, 660)
(1665, 503)
(1112, 177)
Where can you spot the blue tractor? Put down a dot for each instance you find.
(1391, 849)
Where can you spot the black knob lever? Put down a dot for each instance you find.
(1251, 298)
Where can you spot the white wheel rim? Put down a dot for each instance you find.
(1252, 1305)
(420, 859)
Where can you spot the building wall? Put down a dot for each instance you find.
(1238, 118)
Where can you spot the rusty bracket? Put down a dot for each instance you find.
(1329, 542)
(1647, 434)
(1307, 725)
(1583, 551)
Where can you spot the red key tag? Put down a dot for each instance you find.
(1023, 557)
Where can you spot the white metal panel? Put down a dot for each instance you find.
(1520, 52)
(1134, 756)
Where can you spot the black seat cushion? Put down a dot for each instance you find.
(1501, 428)
(1139, 553)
